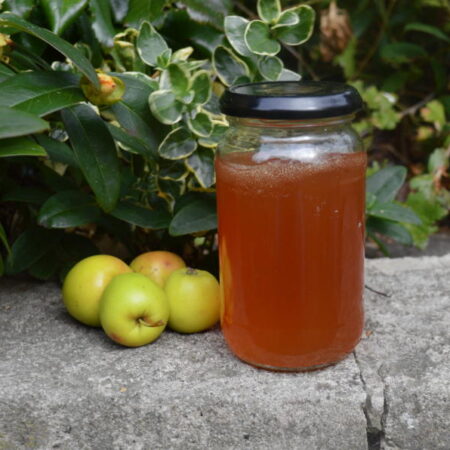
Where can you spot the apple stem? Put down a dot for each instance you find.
(150, 323)
(191, 271)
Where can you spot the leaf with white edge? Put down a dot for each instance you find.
(201, 164)
(96, 153)
(235, 30)
(140, 216)
(150, 44)
(19, 123)
(289, 75)
(178, 144)
(182, 54)
(287, 18)
(202, 87)
(140, 10)
(172, 170)
(163, 60)
(178, 79)
(20, 146)
(215, 137)
(129, 142)
(228, 66)
(268, 10)
(199, 215)
(299, 33)
(201, 124)
(69, 51)
(270, 67)
(165, 107)
(259, 39)
(68, 209)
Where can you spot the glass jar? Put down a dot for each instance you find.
(291, 199)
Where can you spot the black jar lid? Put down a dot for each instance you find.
(280, 100)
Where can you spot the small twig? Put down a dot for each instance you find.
(411, 110)
(384, 294)
(297, 55)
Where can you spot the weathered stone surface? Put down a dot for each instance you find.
(405, 354)
(64, 385)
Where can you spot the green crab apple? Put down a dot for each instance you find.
(193, 300)
(85, 283)
(157, 265)
(133, 310)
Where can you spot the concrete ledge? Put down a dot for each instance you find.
(63, 385)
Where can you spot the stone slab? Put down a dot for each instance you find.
(64, 385)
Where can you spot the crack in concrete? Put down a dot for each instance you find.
(375, 435)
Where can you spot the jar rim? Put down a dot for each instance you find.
(281, 100)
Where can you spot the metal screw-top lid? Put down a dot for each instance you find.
(280, 100)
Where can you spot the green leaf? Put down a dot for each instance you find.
(95, 150)
(393, 230)
(201, 85)
(177, 144)
(20, 146)
(394, 212)
(228, 66)
(200, 215)
(165, 107)
(178, 79)
(174, 170)
(270, 67)
(201, 124)
(70, 52)
(150, 44)
(287, 18)
(68, 209)
(41, 93)
(385, 183)
(259, 39)
(429, 29)
(289, 75)
(299, 33)
(19, 123)
(211, 12)
(402, 52)
(22, 8)
(57, 151)
(4, 238)
(26, 194)
(347, 59)
(102, 22)
(62, 14)
(142, 217)
(29, 247)
(129, 142)
(269, 10)
(136, 127)
(47, 266)
(201, 164)
(140, 10)
(432, 112)
(5, 72)
(235, 30)
(119, 9)
(215, 137)
(438, 160)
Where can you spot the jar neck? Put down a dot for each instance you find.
(310, 123)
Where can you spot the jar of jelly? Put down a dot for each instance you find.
(291, 200)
